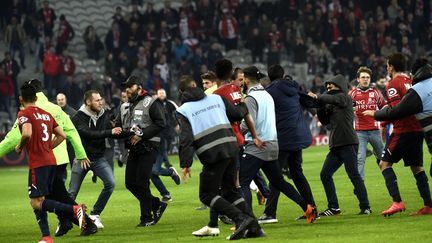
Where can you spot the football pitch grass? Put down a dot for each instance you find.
(18, 224)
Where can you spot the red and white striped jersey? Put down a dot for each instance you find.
(369, 99)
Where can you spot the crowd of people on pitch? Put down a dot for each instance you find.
(243, 123)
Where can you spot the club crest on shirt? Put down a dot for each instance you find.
(392, 92)
(22, 119)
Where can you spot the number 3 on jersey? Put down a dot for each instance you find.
(45, 132)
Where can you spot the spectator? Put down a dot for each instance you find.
(93, 43)
(6, 92)
(114, 40)
(186, 25)
(135, 16)
(228, 30)
(141, 72)
(255, 44)
(180, 50)
(67, 69)
(301, 66)
(39, 39)
(191, 41)
(15, 39)
(90, 84)
(150, 15)
(393, 10)
(130, 50)
(388, 47)
(47, 15)
(124, 64)
(164, 68)
(156, 82)
(213, 55)
(135, 32)
(111, 67)
(65, 34)
(170, 15)
(51, 69)
(12, 70)
(108, 88)
(165, 33)
(74, 92)
(119, 19)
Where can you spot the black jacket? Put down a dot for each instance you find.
(292, 129)
(188, 145)
(93, 137)
(338, 114)
(157, 116)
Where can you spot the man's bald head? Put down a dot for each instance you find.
(61, 100)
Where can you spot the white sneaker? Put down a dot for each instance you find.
(206, 231)
(97, 221)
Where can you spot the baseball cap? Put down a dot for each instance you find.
(253, 71)
(131, 81)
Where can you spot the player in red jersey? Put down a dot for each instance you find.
(368, 130)
(37, 127)
(406, 141)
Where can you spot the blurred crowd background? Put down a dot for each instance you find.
(77, 45)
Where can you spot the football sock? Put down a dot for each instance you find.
(42, 219)
(213, 218)
(423, 187)
(391, 183)
(224, 207)
(57, 207)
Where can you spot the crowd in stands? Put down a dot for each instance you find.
(315, 37)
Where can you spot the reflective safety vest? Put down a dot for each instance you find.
(139, 115)
(424, 90)
(209, 122)
(265, 123)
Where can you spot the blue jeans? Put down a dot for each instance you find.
(345, 155)
(160, 186)
(101, 169)
(162, 156)
(374, 138)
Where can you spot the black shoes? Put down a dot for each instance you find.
(159, 212)
(241, 228)
(63, 228)
(365, 211)
(330, 212)
(146, 223)
(175, 176)
(254, 231)
(89, 229)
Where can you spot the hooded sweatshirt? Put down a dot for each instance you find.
(93, 129)
(338, 114)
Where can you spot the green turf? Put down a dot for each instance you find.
(18, 224)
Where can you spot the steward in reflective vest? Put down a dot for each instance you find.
(205, 128)
(144, 119)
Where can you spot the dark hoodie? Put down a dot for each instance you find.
(187, 143)
(338, 114)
